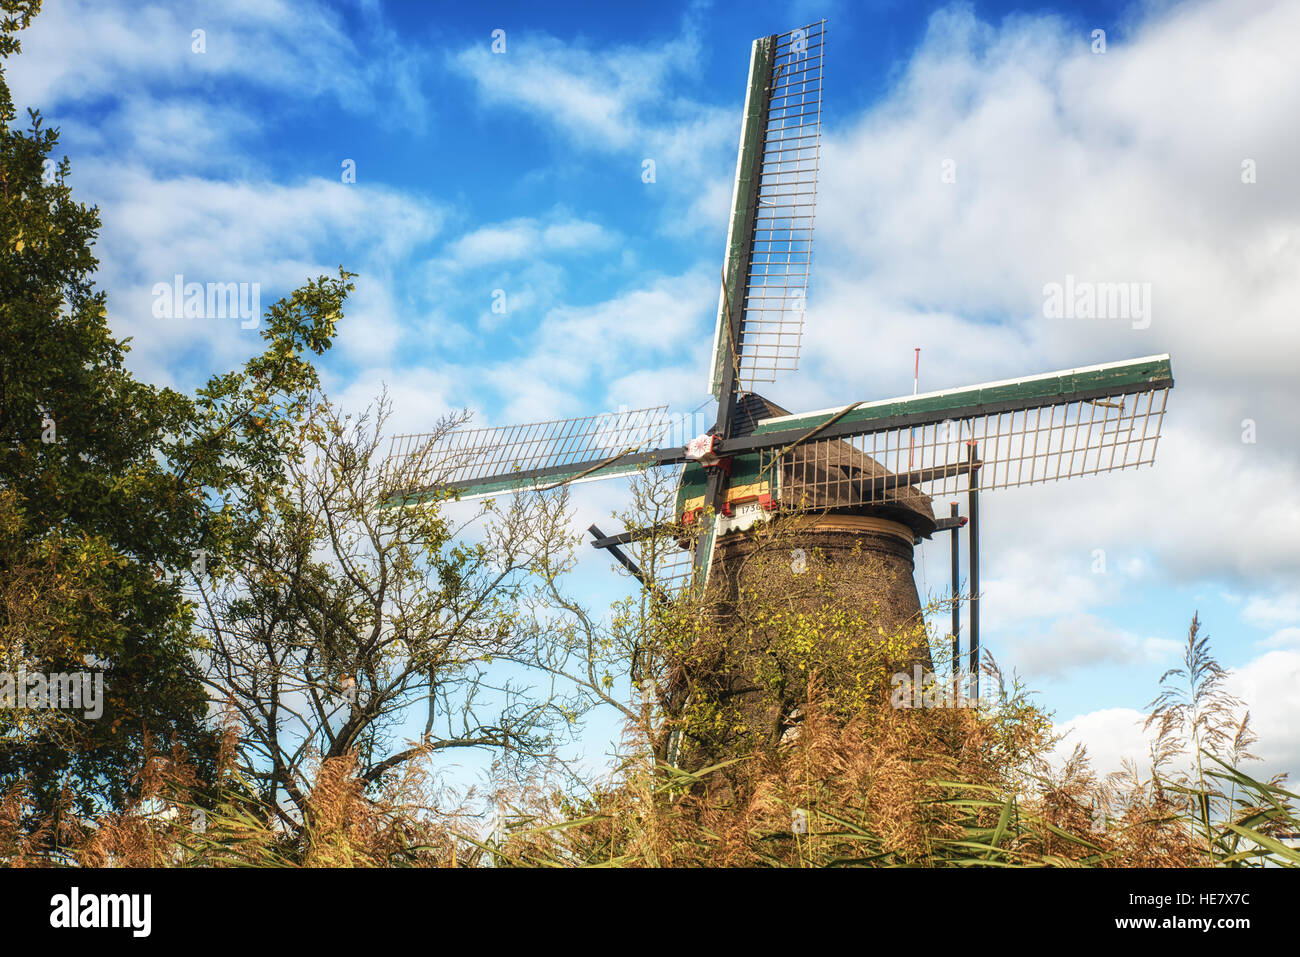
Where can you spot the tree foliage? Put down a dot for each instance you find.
(114, 492)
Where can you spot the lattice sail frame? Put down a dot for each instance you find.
(487, 461)
(777, 223)
(1063, 438)
(667, 558)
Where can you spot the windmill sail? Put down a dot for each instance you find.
(537, 455)
(769, 240)
(1024, 431)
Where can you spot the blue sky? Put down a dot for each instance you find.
(521, 172)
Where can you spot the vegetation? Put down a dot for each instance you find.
(961, 787)
(888, 786)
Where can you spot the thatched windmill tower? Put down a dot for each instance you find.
(855, 481)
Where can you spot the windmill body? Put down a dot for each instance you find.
(860, 477)
(838, 532)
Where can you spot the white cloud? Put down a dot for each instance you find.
(420, 395)
(680, 387)
(598, 96)
(576, 349)
(166, 133)
(1081, 641)
(526, 238)
(81, 48)
(1270, 687)
(1285, 638)
(1275, 609)
(1111, 735)
(262, 232)
(574, 234)
(622, 101)
(372, 328)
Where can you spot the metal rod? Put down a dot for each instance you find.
(714, 490)
(956, 605)
(622, 556)
(887, 483)
(974, 544)
(623, 538)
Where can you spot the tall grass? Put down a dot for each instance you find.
(946, 787)
(943, 788)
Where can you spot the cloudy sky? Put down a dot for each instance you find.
(1167, 159)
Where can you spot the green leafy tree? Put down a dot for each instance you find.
(115, 494)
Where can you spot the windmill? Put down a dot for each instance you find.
(867, 470)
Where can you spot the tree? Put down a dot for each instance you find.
(85, 497)
(113, 491)
(347, 612)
